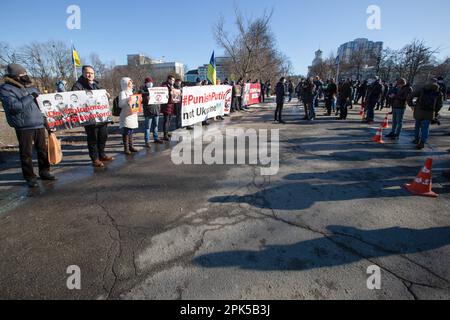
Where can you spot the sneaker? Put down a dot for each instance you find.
(159, 142)
(421, 145)
(282, 122)
(148, 145)
(415, 141)
(47, 177)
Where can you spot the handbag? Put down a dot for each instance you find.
(54, 149)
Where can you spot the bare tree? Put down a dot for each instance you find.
(252, 50)
(7, 56)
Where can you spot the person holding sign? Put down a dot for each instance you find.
(97, 135)
(18, 97)
(168, 108)
(130, 106)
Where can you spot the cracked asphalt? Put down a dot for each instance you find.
(145, 228)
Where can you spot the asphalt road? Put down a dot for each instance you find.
(145, 228)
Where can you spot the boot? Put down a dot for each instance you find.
(130, 140)
(421, 145)
(126, 145)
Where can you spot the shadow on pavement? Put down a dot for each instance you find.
(327, 251)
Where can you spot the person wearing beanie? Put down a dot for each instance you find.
(18, 95)
(97, 134)
(151, 114)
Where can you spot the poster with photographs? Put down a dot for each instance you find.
(176, 95)
(69, 110)
(135, 101)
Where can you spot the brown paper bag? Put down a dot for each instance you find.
(54, 149)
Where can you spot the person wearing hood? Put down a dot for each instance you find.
(429, 99)
(128, 118)
(97, 134)
(151, 114)
(18, 96)
(398, 97)
(61, 86)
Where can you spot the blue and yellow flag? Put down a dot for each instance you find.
(75, 58)
(212, 72)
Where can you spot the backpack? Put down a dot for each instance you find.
(428, 99)
(116, 109)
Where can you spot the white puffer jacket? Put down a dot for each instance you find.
(127, 118)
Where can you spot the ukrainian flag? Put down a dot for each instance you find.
(212, 72)
(75, 58)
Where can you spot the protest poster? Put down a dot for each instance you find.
(203, 103)
(69, 110)
(176, 95)
(159, 95)
(252, 94)
(135, 102)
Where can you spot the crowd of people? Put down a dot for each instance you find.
(373, 94)
(18, 95)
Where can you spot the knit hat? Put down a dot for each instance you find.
(14, 70)
(148, 79)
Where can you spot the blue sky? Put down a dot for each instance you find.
(182, 30)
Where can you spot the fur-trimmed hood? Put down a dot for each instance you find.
(16, 83)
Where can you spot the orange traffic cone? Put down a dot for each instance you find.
(421, 186)
(385, 124)
(379, 136)
(362, 112)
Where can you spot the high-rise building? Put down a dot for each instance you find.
(370, 51)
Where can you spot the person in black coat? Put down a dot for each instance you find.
(281, 95)
(97, 134)
(18, 95)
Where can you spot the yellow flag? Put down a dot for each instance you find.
(75, 58)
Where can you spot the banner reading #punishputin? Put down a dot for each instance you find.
(204, 102)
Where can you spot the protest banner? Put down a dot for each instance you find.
(203, 103)
(159, 95)
(68, 110)
(252, 94)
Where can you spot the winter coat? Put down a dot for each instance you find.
(21, 109)
(128, 119)
(280, 92)
(421, 112)
(308, 92)
(400, 97)
(374, 92)
(168, 109)
(149, 110)
(345, 92)
(83, 84)
(331, 91)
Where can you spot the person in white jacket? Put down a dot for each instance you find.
(128, 119)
